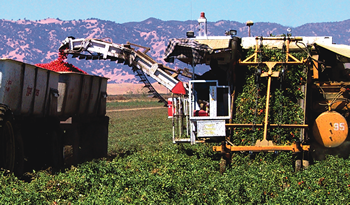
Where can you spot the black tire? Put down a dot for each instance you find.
(7, 139)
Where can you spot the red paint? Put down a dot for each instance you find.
(200, 113)
(179, 89)
(170, 107)
(29, 91)
(59, 65)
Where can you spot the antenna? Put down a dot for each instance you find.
(191, 16)
(190, 33)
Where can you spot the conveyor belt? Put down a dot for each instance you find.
(141, 63)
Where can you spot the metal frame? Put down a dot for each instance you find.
(266, 145)
(191, 100)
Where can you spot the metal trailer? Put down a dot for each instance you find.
(45, 113)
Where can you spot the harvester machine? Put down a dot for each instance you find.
(261, 94)
(264, 94)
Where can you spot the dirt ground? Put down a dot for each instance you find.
(125, 88)
(134, 109)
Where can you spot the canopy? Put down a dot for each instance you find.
(340, 49)
(186, 50)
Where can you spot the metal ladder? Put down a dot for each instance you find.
(148, 85)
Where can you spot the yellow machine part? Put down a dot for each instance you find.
(330, 129)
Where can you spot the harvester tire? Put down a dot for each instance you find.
(306, 164)
(223, 163)
(298, 165)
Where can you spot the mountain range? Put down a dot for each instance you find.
(38, 41)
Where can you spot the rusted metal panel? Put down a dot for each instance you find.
(40, 91)
(69, 89)
(81, 94)
(11, 84)
(28, 89)
(85, 94)
(25, 87)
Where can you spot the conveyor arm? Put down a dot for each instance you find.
(98, 49)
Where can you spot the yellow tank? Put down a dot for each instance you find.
(330, 129)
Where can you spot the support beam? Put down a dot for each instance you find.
(293, 148)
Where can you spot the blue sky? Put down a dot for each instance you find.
(291, 13)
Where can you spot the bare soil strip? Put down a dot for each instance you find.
(133, 109)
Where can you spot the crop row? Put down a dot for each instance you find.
(147, 168)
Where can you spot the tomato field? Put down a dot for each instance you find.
(144, 167)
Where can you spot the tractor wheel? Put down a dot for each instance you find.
(306, 164)
(223, 163)
(7, 139)
(298, 165)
